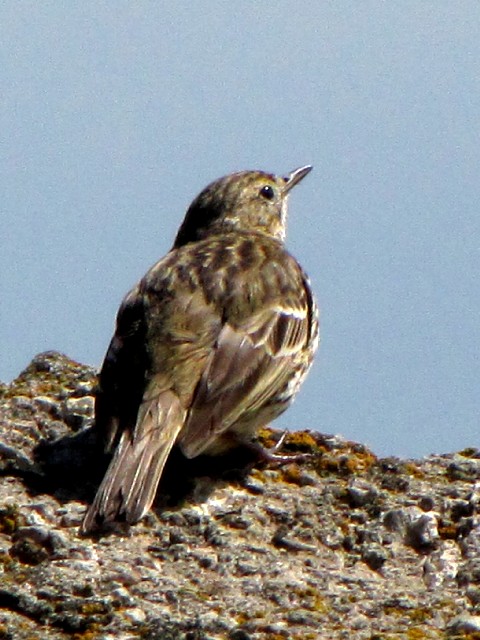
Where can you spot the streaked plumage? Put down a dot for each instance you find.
(210, 345)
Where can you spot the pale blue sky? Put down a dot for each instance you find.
(113, 115)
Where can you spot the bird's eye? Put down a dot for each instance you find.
(267, 192)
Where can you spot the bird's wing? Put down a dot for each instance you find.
(252, 372)
(162, 341)
(122, 377)
(138, 415)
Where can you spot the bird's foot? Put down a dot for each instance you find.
(270, 456)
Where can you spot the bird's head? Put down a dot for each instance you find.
(252, 201)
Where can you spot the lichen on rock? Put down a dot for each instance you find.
(341, 545)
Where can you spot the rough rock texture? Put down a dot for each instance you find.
(343, 545)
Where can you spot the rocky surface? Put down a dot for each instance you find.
(342, 545)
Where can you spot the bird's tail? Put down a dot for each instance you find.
(130, 483)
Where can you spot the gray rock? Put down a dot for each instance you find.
(464, 623)
(343, 545)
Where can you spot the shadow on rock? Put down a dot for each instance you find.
(73, 466)
(196, 479)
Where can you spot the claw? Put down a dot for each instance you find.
(279, 444)
(270, 456)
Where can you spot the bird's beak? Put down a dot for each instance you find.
(295, 176)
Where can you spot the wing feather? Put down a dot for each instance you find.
(248, 374)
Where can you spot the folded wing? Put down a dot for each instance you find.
(251, 375)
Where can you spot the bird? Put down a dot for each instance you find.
(212, 344)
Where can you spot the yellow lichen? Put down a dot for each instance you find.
(448, 531)
(412, 469)
(10, 519)
(292, 473)
(346, 464)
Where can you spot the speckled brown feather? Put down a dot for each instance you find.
(212, 344)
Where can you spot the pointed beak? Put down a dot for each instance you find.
(295, 176)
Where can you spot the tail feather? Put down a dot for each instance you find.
(130, 483)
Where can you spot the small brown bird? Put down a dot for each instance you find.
(212, 344)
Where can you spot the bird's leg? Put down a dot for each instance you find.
(270, 456)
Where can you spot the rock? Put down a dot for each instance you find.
(343, 545)
(422, 532)
(464, 623)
